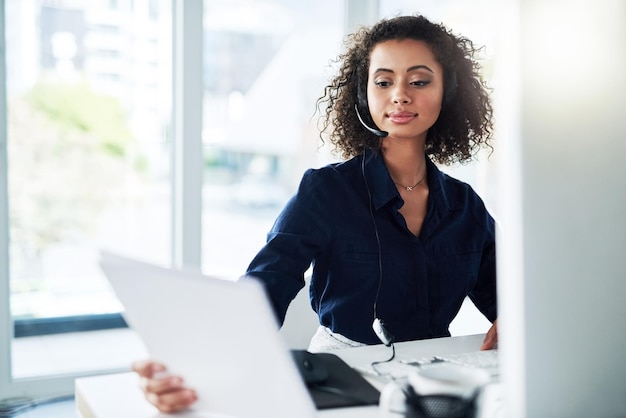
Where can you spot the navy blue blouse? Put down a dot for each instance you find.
(328, 223)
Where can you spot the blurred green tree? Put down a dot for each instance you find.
(70, 153)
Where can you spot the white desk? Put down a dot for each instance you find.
(119, 396)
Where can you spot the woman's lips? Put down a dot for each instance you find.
(401, 117)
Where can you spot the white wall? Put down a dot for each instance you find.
(563, 261)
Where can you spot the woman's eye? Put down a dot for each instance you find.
(381, 83)
(420, 83)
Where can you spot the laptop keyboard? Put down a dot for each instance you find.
(400, 369)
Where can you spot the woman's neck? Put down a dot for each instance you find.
(406, 161)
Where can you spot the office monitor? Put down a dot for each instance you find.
(562, 267)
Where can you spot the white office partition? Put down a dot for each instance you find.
(562, 263)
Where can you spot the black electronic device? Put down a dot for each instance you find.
(311, 367)
(332, 383)
(450, 85)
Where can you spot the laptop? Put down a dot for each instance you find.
(222, 337)
(219, 335)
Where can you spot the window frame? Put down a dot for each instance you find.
(64, 324)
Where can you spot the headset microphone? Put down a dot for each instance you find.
(376, 132)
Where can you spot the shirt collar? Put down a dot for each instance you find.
(383, 189)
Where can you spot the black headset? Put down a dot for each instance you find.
(362, 111)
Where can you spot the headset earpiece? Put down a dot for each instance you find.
(361, 98)
(450, 85)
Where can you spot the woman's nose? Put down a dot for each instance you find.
(400, 96)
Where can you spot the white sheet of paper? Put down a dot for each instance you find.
(220, 336)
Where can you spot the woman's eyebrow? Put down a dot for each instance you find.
(420, 67)
(412, 68)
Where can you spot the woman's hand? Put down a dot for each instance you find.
(166, 392)
(491, 339)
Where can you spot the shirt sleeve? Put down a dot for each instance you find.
(484, 294)
(298, 234)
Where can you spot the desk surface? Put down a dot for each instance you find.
(119, 396)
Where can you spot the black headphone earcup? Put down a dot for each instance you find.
(361, 96)
(450, 87)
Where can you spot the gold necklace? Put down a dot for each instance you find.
(409, 188)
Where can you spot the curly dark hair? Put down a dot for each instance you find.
(465, 122)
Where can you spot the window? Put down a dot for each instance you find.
(92, 157)
(88, 140)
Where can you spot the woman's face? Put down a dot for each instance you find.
(404, 88)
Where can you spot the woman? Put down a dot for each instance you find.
(395, 244)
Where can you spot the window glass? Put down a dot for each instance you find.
(265, 64)
(89, 105)
(89, 96)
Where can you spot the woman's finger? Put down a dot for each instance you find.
(172, 401)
